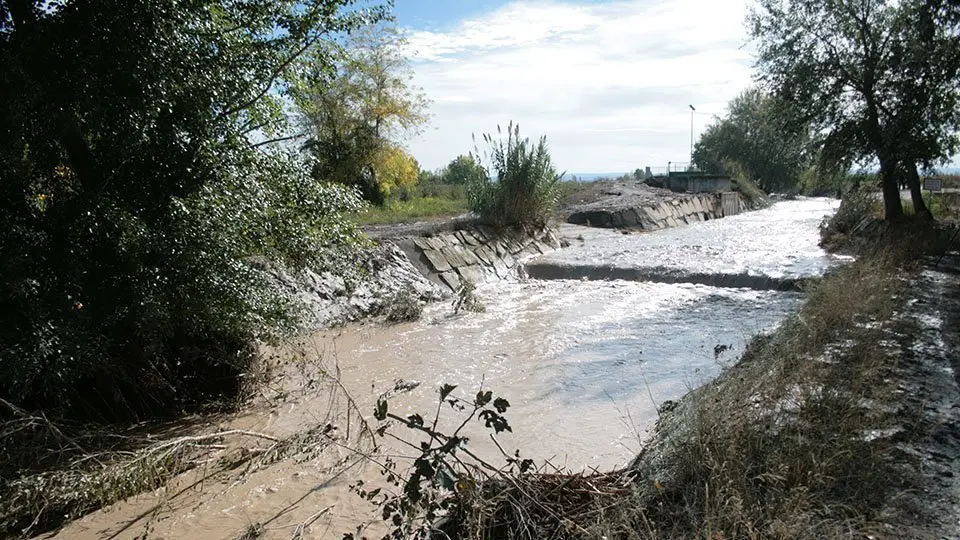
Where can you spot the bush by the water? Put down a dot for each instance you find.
(857, 205)
(525, 186)
(130, 196)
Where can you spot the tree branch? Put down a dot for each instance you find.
(280, 139)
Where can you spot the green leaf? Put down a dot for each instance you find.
(446, 389)
(483, 398)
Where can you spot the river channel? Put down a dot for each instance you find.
(585, 363)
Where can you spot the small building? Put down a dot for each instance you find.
(695, 182)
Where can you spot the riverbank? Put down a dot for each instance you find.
(842, 423)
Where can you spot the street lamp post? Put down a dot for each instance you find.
(692, 110)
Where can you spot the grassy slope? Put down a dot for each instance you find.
(397, 211)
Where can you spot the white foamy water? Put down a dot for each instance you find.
(778, 242)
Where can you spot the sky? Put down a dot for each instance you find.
(609, 82)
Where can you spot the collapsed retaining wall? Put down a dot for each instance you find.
(661, 214)
(475, 253)
(369, 285)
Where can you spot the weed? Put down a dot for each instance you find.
(467, 298)
(423, 501)
(403, 306)
(526, 188)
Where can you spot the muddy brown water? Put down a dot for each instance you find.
(585, 364)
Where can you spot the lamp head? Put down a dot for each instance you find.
(691, 107)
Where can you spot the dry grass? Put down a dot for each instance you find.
(777, 446)
(549, 505)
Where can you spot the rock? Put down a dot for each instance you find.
(487, 255)
(325, 299)
(474, 273)
(437, 260)
(459, 256)
(469, 239)
(468, 256)
(436, 242)
(422, 243)
(501, 269)
(450, 239)
(452, 279)
(453, 257)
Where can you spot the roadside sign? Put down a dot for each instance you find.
(932, 184)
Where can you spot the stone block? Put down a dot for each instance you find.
(528, 250)
(453, 256)
(451, 239)
(468, 255)
(437, 260)
(422, 243)
(452, 279)
(469, 239)
(502, 270)
(435, 242)
(459, 256)
(474, 273)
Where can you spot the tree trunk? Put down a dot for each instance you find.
(913, 181)
(892, 207)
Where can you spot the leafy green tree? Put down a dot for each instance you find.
(429, 177)
(757, 136)
(131, 194)
(880, 77)
(358, 111)
(462, 171)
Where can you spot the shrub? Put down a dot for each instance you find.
(742, 183)
(525, 189)
(403, 306)
(142, 318)
(467, 298)
(856, 205)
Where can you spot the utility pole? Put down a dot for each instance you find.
(692, 110)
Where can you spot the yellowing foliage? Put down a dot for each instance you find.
(395, 168)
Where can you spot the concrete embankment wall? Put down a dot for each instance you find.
(662, 214)
(476, 253)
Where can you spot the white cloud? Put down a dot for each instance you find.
(608, 84)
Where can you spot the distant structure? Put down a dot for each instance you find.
(686, 178)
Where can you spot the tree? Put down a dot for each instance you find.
(757, 136)
(925, 116)
(397, 169)
(462, 171)
(131, 194)
(358, 112)
(862, 72)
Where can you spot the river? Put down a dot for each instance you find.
(584, 363)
